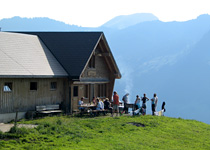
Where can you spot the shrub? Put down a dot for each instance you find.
(1, 135)
(59, 122)
(19, 131)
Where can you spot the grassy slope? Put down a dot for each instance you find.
(112, 133)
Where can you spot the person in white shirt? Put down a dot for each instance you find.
(154, 103)
(102, 104)
(80, 103)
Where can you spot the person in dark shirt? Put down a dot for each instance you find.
(107, 105)
(144, 106)
(163, 106)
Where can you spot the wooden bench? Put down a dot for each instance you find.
(48, 109)
(97, 112)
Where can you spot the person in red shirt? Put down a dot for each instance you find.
(115, 103)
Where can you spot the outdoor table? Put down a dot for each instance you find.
(88, 106)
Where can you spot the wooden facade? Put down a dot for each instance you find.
(94, 82)
(23, 94)
(97, 79)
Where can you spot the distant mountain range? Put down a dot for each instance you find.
(171, 59)
(124, 21)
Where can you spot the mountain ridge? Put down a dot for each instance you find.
(124, 21)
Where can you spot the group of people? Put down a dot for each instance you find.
(137, 104)
(114, 106)
(101, 104)
(144, 99)
(98, 103)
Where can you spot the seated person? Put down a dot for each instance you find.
(98, 104)
(102, 104)
(107, 105)
(94, 100)
(80, 103)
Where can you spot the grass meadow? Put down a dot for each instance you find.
(108, 133)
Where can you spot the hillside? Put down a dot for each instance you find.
(126, 133)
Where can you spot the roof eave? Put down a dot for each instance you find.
(33, 76)
(117, 74)
(91, 55)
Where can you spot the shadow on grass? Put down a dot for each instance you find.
(137, 124)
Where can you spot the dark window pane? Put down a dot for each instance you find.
(75, 91)
(33, 86)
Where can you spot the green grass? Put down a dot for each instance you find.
(66, 132)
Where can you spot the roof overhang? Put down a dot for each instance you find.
(32, 76)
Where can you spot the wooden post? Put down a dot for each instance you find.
(16, 117)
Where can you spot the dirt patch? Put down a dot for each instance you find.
(137, 124)
(7, 127)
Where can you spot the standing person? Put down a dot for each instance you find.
(137, 102)
(125, 100)
(115, 103)
(154, 103)
(144, 106)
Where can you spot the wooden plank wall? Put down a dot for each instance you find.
(22, 98)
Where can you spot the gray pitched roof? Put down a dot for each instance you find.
(23, 55)
(71, 49)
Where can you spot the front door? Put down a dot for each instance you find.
(78, 91)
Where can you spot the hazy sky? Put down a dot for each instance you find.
(93, 13)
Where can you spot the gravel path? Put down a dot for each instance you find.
(7, 127)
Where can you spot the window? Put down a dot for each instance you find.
(33, 86)
(102, 90)
(92, 62)
(53, 85)
(75, 92)
(7, 86)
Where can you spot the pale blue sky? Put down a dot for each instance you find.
(93, 13)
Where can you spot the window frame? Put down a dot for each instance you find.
(7, 87)
(53, 86)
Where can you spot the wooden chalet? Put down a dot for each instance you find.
(44, 68)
